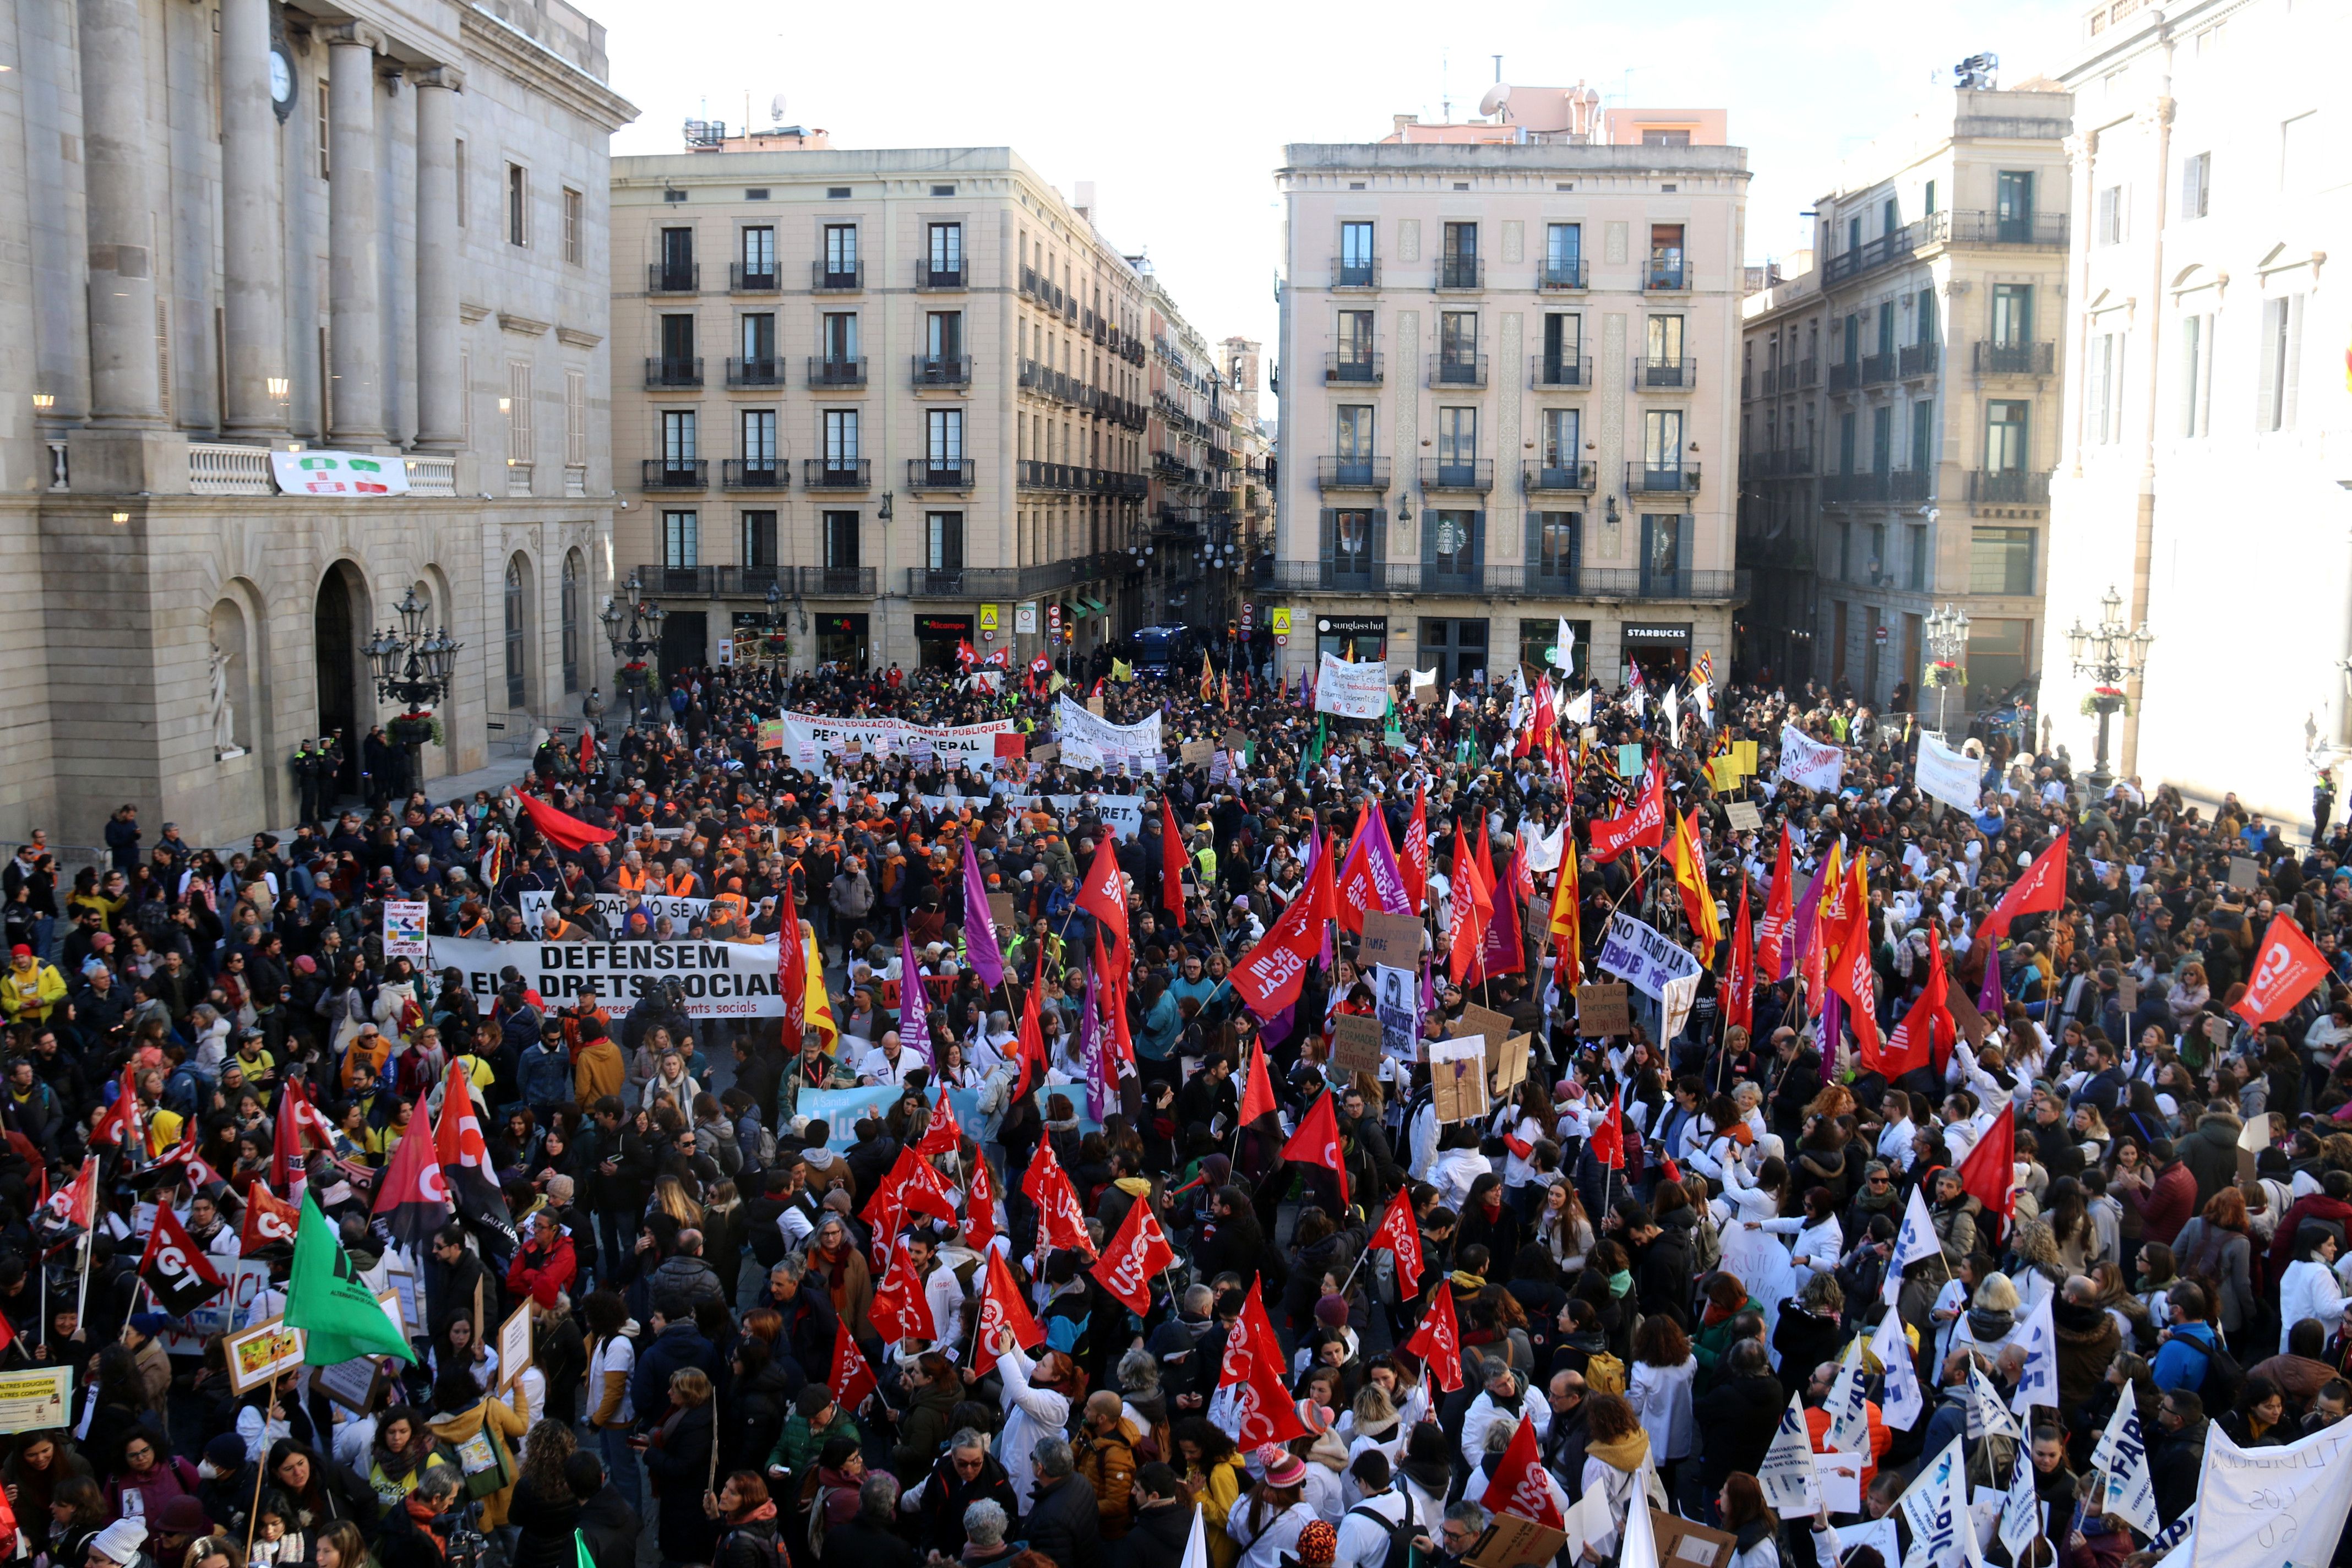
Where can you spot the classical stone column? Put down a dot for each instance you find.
(356, 401)
(440, 407)
(126, 388)
(254, 297)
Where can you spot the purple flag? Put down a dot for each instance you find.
(1832, 1023)
(1090, 1047)
(980, 947)
(1990, 1002)
(914, 1010)
(1809, 909)
(1388, 878)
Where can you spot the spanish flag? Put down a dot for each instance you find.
(819, 1015)
(1689, 863)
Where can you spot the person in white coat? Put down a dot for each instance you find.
(1268, 1524)
(1659, 1387)
(2309, 1287)
(1457, 1165)
(1820, 1239)
(1740, 1506)
(1036, 1408)
(1501, 1402)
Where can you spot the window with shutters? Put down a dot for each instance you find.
(519, 447)
(2196, 185)
(575, 416)
(2195, 375)
(574, 214)
(2109, 223)
(2281, 362)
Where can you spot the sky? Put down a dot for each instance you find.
(1179, 115)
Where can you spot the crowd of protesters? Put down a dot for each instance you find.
(694, 1248)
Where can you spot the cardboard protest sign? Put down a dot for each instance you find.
(1195, 754)
(1457, 1079)
(1743, 816)
(1511, 1542)
(1356, 1043)
(1000, 912)
(1680, 1542)
(1601, 1010)
(2243, 874)
(1391, 939)
(1972, 1025)
(1483, 1021)
(1513, 1071)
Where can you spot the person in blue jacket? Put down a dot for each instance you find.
(2187, 1349)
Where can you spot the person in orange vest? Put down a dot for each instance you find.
(1817, 1420)
(681, 882)
(554, 926)
(630, 875)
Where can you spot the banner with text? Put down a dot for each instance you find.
(1808, 762)
(1090, 741)
(614, 907)
(1352, 691)
(811, 740)
(1643, 958)
(1946, 775)
(718, 978)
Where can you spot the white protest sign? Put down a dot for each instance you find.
(2273, 1508)
(1840, 1476)
(1900, 1404)
(1808, 762)
(1917, 1239)
(1122, 813)
(614, 907)
(1849, 1404)
(403, 928)
(1790, 1487)
(1936, 1507)
(2037, 1384)
(1088, 739)
(718, 978)
(2122, 1457)
(1351, 691)
(1946, 775)
(1642, 957)
(1396, 1001)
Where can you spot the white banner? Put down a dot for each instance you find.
(1122, 813)
(1936, 1506)
(813, 739)
(1946, 775)
(1642, 957)
(1807, 763)
(1089, 741)
(2121, 1456)
(719, 979)
(339, 474)
(403, 928)
(1359, 690)
(2038, 1383)
(2273, 1508)
(614, 907)
(1396, 1001)
(1902, 1403)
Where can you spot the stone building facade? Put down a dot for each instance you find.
(242, 229)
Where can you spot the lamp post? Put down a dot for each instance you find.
(411, 665)
(633, 630)
(1948, 643)
(2110, 654)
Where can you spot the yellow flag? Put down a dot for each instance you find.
(1568, 920)
(1121, 671)
(817, 1007)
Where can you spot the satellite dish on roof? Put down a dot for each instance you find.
(1496, 98)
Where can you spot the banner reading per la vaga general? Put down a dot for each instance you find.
(718, 978)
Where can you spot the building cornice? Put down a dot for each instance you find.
(499, 44)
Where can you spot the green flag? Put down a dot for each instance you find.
(581, 1556)
(328, 1300)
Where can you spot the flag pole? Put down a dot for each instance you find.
(260, 1469)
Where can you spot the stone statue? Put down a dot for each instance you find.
(224, 711)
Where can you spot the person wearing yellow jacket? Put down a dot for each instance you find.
(481, 1420)
(31, 990)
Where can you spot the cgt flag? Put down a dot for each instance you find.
(270, 1221)
(1399, 1234)
(2042, 888)
(1521, 1485)
(465, 1160)
(1316, 1143)
(412, 1199)
(175, 1269)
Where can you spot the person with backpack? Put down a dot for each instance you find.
(747, 1523)
(2190, 1355)
(1378, 1531)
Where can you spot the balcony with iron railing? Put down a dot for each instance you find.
(675, 474)
(1550, 372)
(1354, 369)
(829, 277)
(929, 278)
(1457, 370)
(1361, 274)
(1557, 479)
(1845, 375)
(2009, 486)
(1651, 480)
(1472, 475)
(1871, 255)
(674, 278)
(940, 474)
(1881, 486)
(1808, 372)
(836, 473)
(1918, 360)
(1786, 463)
(1457, 272)
(672, 372)
(1665, 276)
(752, 474)
(1665, 375)
(2015, 358)
(746, 278)
(2044, 230)
(1878, 368)
(1560, 275)
(755, 373)
(1351, 474)
(1352, 575)
(839, 582)
(826, 374)
(942, 370)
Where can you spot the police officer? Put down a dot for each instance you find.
(306, 780)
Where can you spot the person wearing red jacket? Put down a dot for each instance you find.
(2168, 1202)
(2329, 1203)
(546, 1255)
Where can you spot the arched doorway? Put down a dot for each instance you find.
(338, 625)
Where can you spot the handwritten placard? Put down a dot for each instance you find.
(1195, 754)
(1457, 1079)
(1392, 939)
(1743, 816)
(1356, 1043)
(1602, 1011)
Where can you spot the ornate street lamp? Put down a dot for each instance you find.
(2109, 653)
(634, 629)
(412, 665)
(1947, 644)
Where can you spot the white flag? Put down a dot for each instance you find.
(1673, 707)
(1937, 1508)
(1916, 1240)
(1901, 1405)
(1196, 1547)
(1453, 701)
(1791, 1486)
(1578, 712)
(1641, 1548)
(2282, 1507)
(1565, 645)
(2122, 1457)
(1849, 1404)
(2020, 1511)
(1987, 1418)
(2038, 1383)
(1424, 676)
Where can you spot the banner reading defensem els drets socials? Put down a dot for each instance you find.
(719, 979)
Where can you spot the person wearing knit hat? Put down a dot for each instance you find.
(1318, 1543)
(1268, 1526)
(119, 1542)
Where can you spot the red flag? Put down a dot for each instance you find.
(175, 1269)
(1520, 1484)
(413, 1196)
(901, 1310)
(2042, 887)
(1849, 974)
(1029, 1039)
(943, 1134)
(1102, 895)
(1643, 823)
(1138, 1252)
(1001, 1308)
(1989, 1173)
(561, 828)
(75, 1203)
(288, 1167)
(1924, 1038)
(1171, 864)
(40, 1164)
(1438, 1340)
(918, 1187)
(587, 749)
(1266, 1411)
(1355, 887)
(1316, 1143)
(2285, 971)
(791, 968)
(1118, 1039)
(1060, 1221)
(1473, 907)
(116, 1127)
(464, 1159)
(269, 1220)
(1257, 1092)
(1607, 1141)
(1414, 859)
(1780, 909)
(1399, 1234)
(1740, 982)
(1502, 948)
(1270, 977)
(980, 1206)
(853, 1380)
(1252, 1341)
